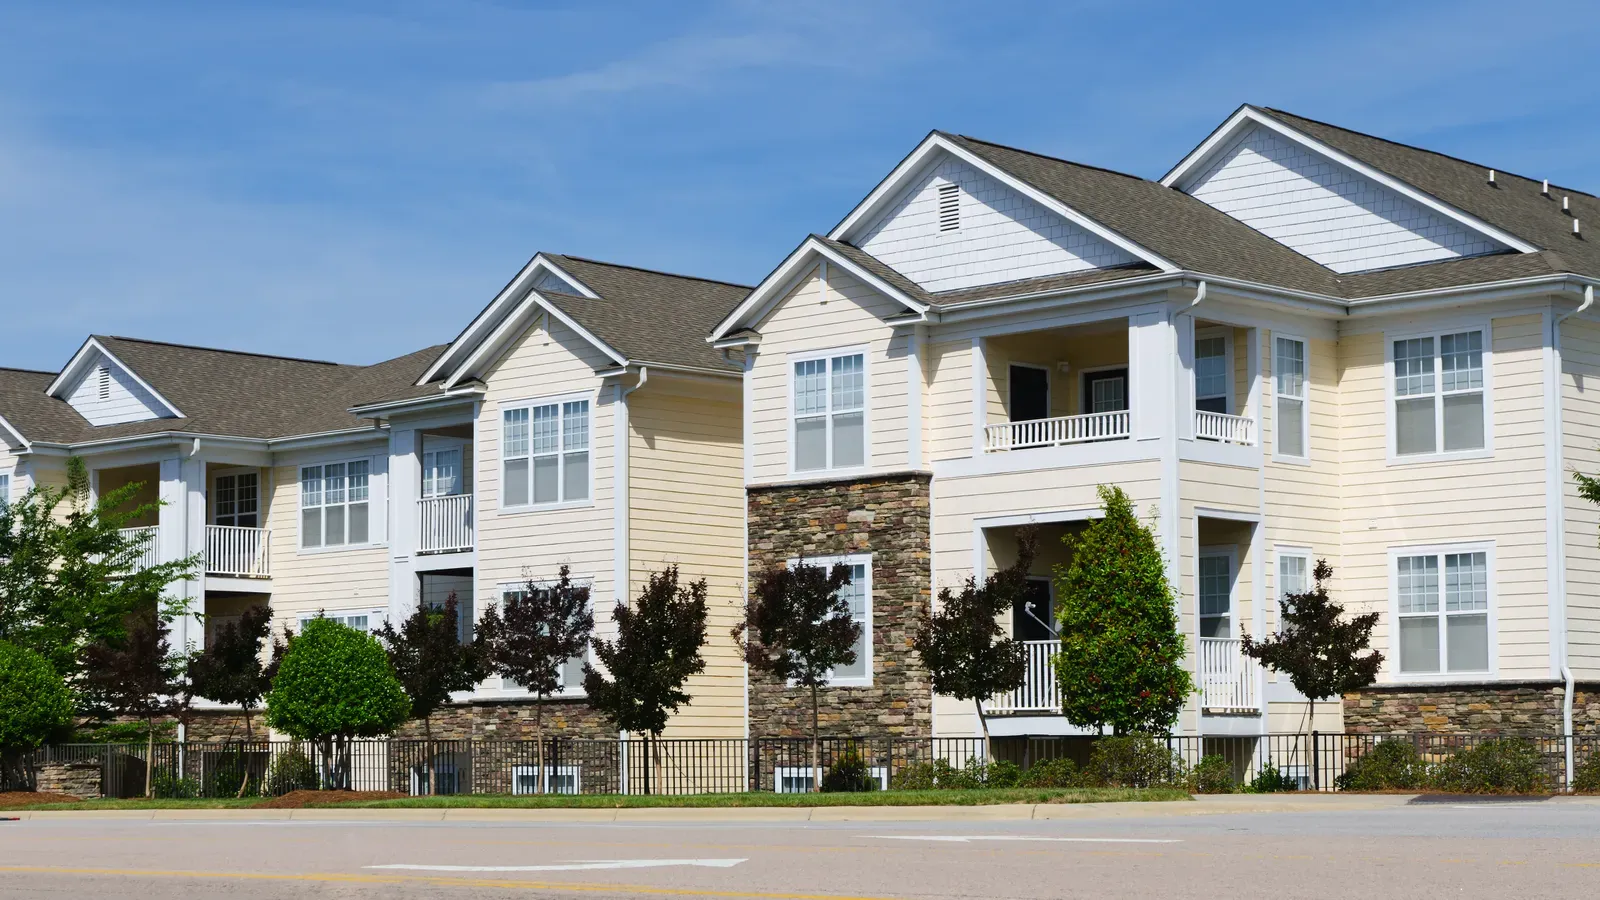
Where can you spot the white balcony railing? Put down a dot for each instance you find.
(444, 524)
(150, 549)
(238, 552)
(1060, 430)
(1210, 426)
(1038, 693)
(1227, 677)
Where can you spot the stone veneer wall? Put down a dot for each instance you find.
(78, 779)
(1506, 708)
(510, 720)
(887, 517)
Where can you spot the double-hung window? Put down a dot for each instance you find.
(5, 490)
(238, 500)
(1439, 403)
(1216, 595)
(1289, 386)
(830, 396)
(1442, 604)
(334, 504)
(1211, 374)
(1294, 576)
(545, 453)
(858, 595)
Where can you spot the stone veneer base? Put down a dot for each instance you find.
(1528, 707)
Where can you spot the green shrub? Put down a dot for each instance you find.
(1002, 773)
(169, 786)
(1586, 780)
(939, 775)
(291, 770)
(1498, 766)
(228, 776)
(1135, 760)
(335, 681)
(35, 703)
(925, 776)
(1050, 773)
(849, 773)
(1389, 766)
(1212, 775)
(1271, 781)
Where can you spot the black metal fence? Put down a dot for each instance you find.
(1313, 762)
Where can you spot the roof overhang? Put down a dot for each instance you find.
(7, 428)
(511, 325)
(1248, 116)
(936, 143)
(456, 397)
(79, 364)
(782, 279)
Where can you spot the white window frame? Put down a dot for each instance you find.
(1280, 553)
(1232, 553)
(790, 360)
(1278, 453)
(375, 512)
(1437, 332)
(804, 777)
(551, 773)
(501, 689)
(1200, 334)
(215, 495)
(434, 445)
(5, 489)
(375, 617)
(855, 559)
(1079, 403)
(1392, 660)
(560, 402)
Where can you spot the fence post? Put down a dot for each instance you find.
(1316, 760)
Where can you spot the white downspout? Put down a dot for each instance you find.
(1569, 682)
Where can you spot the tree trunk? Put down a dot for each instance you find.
(816, 746)
(983, 723)
(1311, 728)
(655, 756)
(149, 758)
(646, 766)
(538, 734)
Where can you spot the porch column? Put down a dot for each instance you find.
(182, 518)
(980, 396)
(1150, 378)
(405, 479)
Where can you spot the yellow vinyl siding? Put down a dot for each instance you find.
(949, 422)
(304, 583)
(1580, 399)
(687, 499)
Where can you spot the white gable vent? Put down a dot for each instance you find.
(102, 376)
(949, 207)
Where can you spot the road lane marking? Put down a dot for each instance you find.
(580, 866)
(966, 838)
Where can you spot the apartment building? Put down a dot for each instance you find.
(1302, 343)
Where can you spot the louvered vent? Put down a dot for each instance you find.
(949, 207)
(103, 374)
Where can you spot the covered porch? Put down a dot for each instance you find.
(1057, 386)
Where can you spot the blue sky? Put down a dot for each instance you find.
(355, 180)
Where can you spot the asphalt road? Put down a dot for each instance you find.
(1417, 850)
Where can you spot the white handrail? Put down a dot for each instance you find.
(1211, 426)
(237, 551)
(1227, 676)
(1038, 693)
(444, 524)
(150, 551)
(1059, 430)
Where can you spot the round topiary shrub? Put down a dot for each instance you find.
(1389, 766)
(35, 703)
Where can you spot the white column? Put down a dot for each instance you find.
(404, 486)
(621, 432)
(1253, 367)
(1150, 377)
(183, 534)
(980, 396)
(1183, 361)
(916, 340)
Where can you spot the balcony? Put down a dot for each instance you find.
(150, 546)
(236, 552)
(1227, 677)
(1211, 426)
(1038, 694)
(1054, 432)
(444, 524)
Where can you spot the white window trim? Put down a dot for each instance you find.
(1049, 391)
(1392, 654)
(808, 774)
(1232, 553)
(1305, 400)
(1083, 385)
(566, 691)
(1279, 552)
(1392, 435)
(550, 774)
(866, 410)
(375, 616)
(376, 512)
(1200, 334)
(7, 485)
(865, 561)
(501, 508)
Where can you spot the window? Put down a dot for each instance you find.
(1294, 575)
(545, 454)
(334, 504)
(858, 593)
(1211, 374)
(1439, 402)
(571, 674)
(1442, 605)
(441, 472)
(1289, 384)
(360, 620)
(1216, 595)
(1105, 391)
(5, 490)
(238, 500)
(798, 779)
(830, 412)
(558, 780)
(949, 207)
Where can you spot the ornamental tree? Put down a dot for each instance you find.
(968, 654)
(1121, 658)
(137, 675)
(230, 669)
(657, 649)
(35, 706)
(334, 684)
(430, 660)
(798, 628)
(532, 636)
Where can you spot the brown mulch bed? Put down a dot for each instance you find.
(29, 798)
(303, 799)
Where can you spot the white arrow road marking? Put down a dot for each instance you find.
(962, 839)
(581, 865)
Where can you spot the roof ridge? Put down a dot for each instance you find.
(320, 362)
(612, 265)
(1091, 167)
(1429, 151)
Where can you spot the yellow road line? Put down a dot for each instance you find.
(436, 881)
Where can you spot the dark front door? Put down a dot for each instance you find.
(1105, 391)
(1025, 627)
(1030, 393)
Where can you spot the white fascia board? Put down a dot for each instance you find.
(1248, 115)
(456, 397)
(935, 143)
(72, 369)
(16, 435)
(507, 328)
(775, 285)
(483, 324)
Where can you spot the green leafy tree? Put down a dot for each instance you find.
(532, 635)
(334, 684)
(35, 706)
(137, 675)
(1121, 658)
(69, 577)
(967, 653)
(1324, 653)
(797, 628)
(657, 649)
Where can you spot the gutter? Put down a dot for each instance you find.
(448, 398)
(1558, 623)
